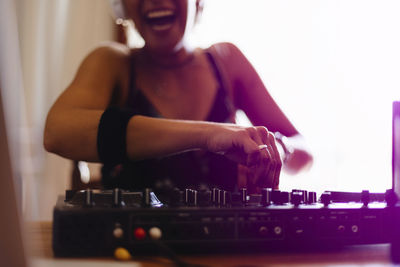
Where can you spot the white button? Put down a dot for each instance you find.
(118, 232)
(155, 233)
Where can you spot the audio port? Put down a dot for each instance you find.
(354, 228)
(139, 233)
(341, 228)
(155, 233)
(263, 231)
(118, 232)
(278, 230)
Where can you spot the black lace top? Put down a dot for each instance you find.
(189, 169)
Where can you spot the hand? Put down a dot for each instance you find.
(253, 147)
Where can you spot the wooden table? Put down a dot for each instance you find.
(39, 243)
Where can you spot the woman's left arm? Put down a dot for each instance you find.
(251, 96)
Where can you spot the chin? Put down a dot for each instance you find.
(164, 48)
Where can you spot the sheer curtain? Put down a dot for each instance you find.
(55, 36)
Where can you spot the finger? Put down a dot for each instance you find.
(254, 133)
(277, 158)
(265, 171)
(269, 161)
(264, 135)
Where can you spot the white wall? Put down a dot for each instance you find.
(334, 68)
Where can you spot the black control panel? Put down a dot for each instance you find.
(94, 223)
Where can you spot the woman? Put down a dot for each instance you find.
(165, 112)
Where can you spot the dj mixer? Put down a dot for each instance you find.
(94, 223)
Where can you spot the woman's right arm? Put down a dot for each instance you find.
(72, 122)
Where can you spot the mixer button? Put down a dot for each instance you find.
(155, 233)
(139, 233)
(118, 232)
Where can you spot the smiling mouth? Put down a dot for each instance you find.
(160, 19)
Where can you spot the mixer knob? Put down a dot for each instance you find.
(236, 199)
(146, 197)
(176, 197)
(69, 194)
(194, 197)
(204, 197)
(243, 194)
(219, 197)
(312, 197)
(296, 198)
(117, 198)
(214, 196)
(89, 198)
(326, 198)
(305, 196)
(191, 197)
(188, 193)
(390, 197)
(284, 197)
(226, 198)
(365, 197)
(275, 196)
(266, 196)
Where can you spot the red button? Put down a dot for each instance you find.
(139, 233)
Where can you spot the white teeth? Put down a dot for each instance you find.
(159, 14)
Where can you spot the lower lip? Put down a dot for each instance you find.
(161, 28)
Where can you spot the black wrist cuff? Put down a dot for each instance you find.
(111, 135)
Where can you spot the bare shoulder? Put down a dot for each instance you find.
(225, 51)
(112, 53)
(230, 56)
(96, 80)
(108, 64)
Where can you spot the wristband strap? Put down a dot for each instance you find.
(111, 135)
(280, 139)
